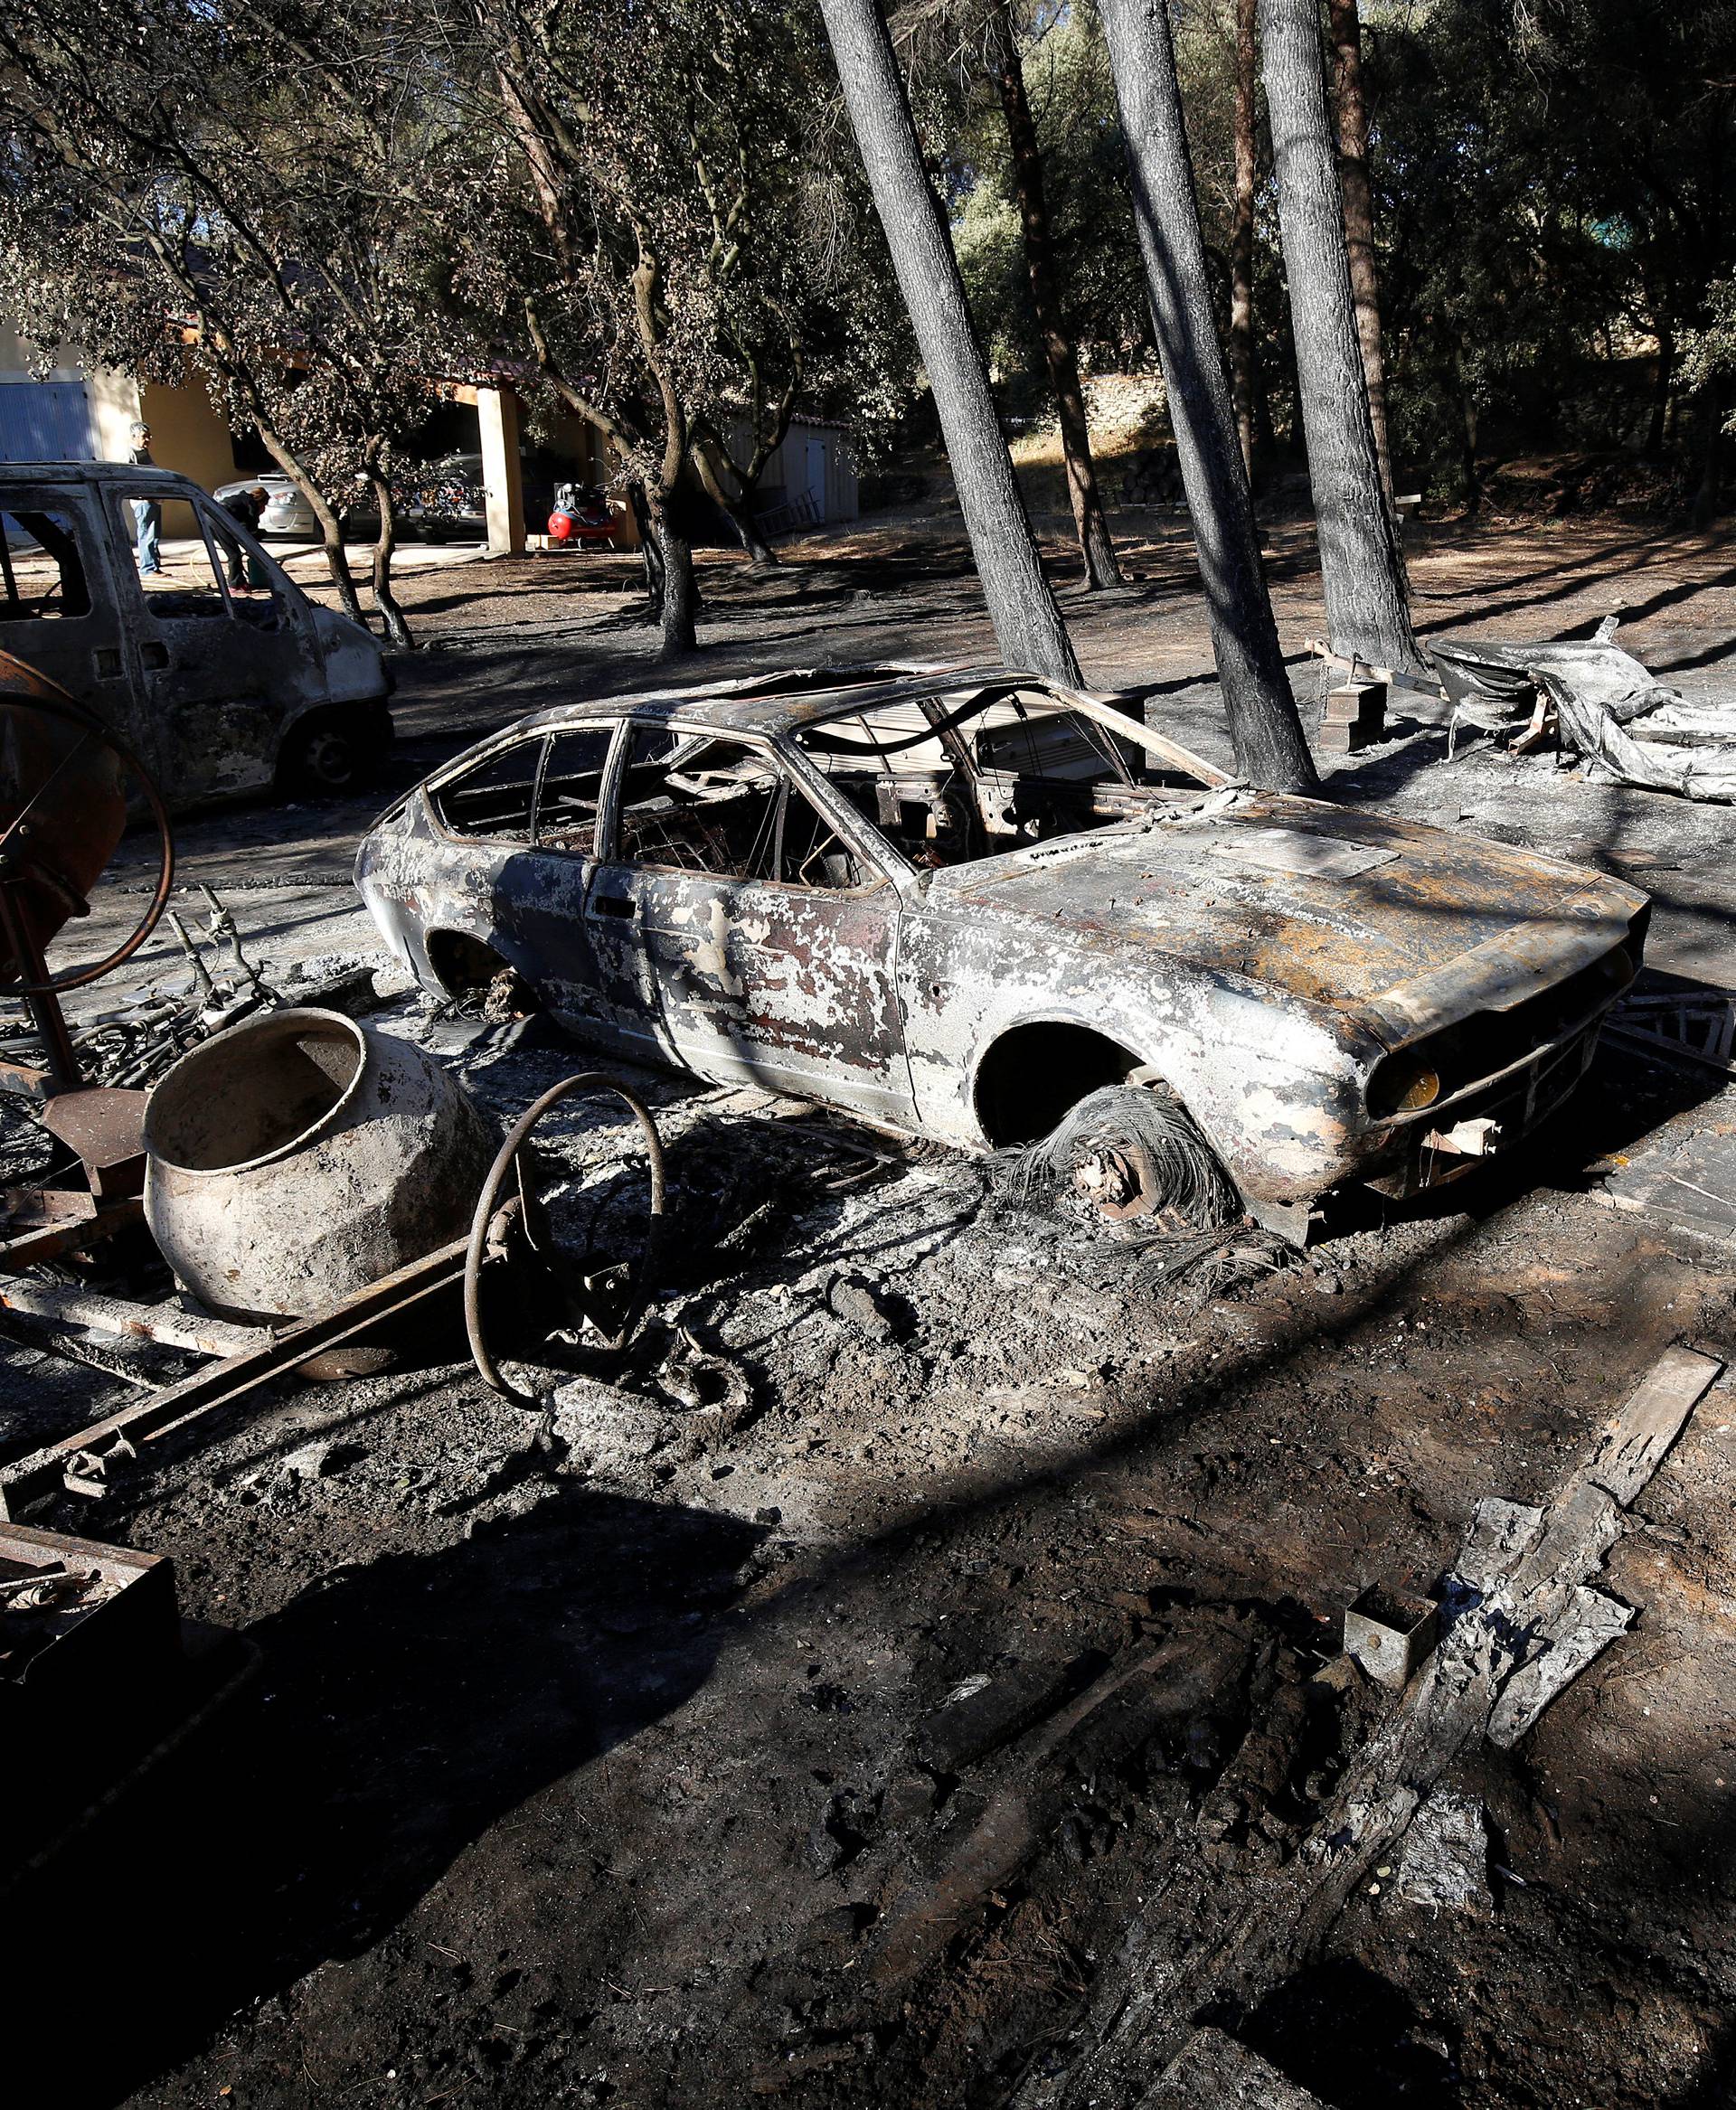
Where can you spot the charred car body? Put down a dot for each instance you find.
(957, 902)
(222, 690)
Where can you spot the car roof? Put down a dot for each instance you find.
(13, 473)
(785, 702)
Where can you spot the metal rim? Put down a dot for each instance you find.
(488, 1201)
(221, 1050)
(74, 714)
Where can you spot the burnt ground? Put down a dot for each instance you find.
(624, 1760)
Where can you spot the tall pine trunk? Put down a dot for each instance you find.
(1027, 623)
(1662, 379)
(1264, 724)
(1095, 546)
(1359, 216)
(1241, 235)
(1362, 570)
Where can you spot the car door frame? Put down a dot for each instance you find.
(695, 923)
(94, 662)
(216, 717)
(525, 883)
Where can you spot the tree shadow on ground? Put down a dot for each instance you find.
(1357, 2042)
(405, 1708)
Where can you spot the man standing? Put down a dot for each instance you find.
(147, 514)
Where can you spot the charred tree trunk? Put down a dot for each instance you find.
(1362, 570)
(1264, 725)
(1466, 402)
(384, 599)
(1027, 623)
(650, 555)
(1241, 235)
(680, 609)
(1359, 216)
(714, 474)
(1095, 545)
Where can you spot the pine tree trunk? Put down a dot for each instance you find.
(1028, 627)
(1708, 497)
(1467, 403)
(1242, 234)
(384, 599)
(1362, 571)
(1661, 384)
(1359, 216)
(1270, 749)
(1089, 524)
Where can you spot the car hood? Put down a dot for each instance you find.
(1399, 925)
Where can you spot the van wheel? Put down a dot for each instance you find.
(322, 755)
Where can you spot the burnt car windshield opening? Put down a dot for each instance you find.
(693, 803)
(952, 777)
(42, 571)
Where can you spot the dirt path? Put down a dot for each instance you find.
(647, 1767)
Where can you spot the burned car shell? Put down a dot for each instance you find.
(1333, 995)
(216, 694)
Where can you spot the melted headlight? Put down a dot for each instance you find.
(1403, 1084)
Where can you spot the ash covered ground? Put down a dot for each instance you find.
(668, 1752)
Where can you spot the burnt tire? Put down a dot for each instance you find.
(1131, 1158)
(328, 752)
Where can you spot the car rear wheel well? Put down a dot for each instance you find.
(463, 962)
(1034, 1074)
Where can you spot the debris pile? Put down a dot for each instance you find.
(1593, 700)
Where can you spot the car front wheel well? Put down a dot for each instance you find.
(1034, 1074)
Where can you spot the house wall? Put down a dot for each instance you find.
(189, 433)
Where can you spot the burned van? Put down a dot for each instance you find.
(141, 595)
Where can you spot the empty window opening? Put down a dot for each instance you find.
(571, 789)
(42, 569)
(497, 797)
(693, 803)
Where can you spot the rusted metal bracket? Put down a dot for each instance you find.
(80, 1463)
(51, 1229)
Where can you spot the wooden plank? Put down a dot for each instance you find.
(1200, 1937)
(169, 1323)
(222, 1386)
(1634, 1442)
(46, 1244)
(1422, 684)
